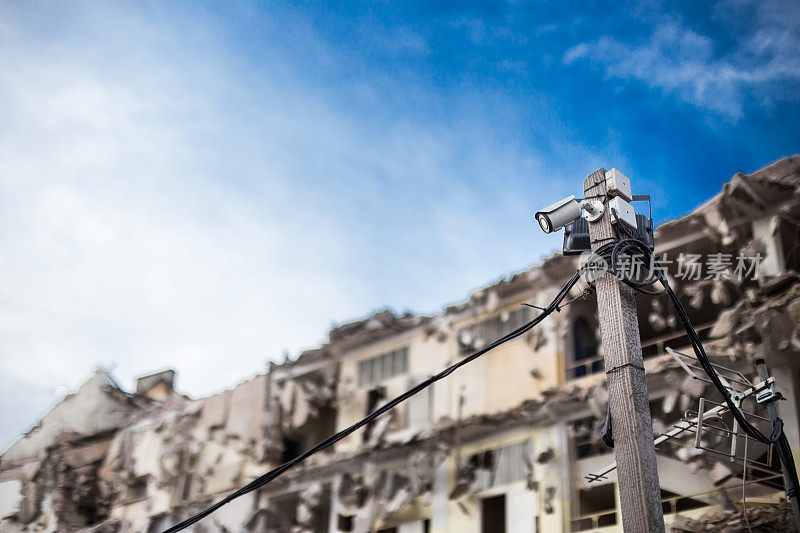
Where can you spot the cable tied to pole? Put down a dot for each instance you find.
(276, 472)
(622, 247)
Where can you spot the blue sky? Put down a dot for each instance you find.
(205, 185)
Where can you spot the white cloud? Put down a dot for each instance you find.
(680, 61)
(164, 204)
(579, 51)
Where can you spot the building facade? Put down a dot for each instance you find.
(504, 444)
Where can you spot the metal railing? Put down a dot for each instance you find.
(591, 366)
(595, 364)
(592, 520)
(673, 500)
(659, 342)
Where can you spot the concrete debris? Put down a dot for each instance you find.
(693, 388)
(352, 491)
(725, 324)
(537, 339)
(378, 429)
(597, 400)
(545, 456)
(307, 508)
(380, 325)
(765, 519)
(159, 386)
(464, 479)
(658, 318)
(669, 401)
(778, 284)
(720, 472)
(110, 406)
(720, 293)
(688, 453)
(549, 495)
(696, 293)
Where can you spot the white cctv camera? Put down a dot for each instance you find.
(556, 216)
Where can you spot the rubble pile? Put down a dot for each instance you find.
(767, 519)
(510, 436)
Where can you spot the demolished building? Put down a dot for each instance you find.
(502, 445)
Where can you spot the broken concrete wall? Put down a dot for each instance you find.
(10, 496)
(528, 467)
(522, 366)
(54, 467)
(170, 454)
(184, 453)
(110, 409)
(527, 366)
(302, 410)
(386, 490)
(421, 353)
(60, 491)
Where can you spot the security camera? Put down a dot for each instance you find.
(556, 216)
(559, 214)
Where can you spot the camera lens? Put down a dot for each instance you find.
(544, 223)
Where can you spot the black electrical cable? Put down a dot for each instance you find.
(777, 437)
(611, 253)
(274, 473)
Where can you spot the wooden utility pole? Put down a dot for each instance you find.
(637, 471)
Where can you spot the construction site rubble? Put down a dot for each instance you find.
(505, 442)
(776, 519)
